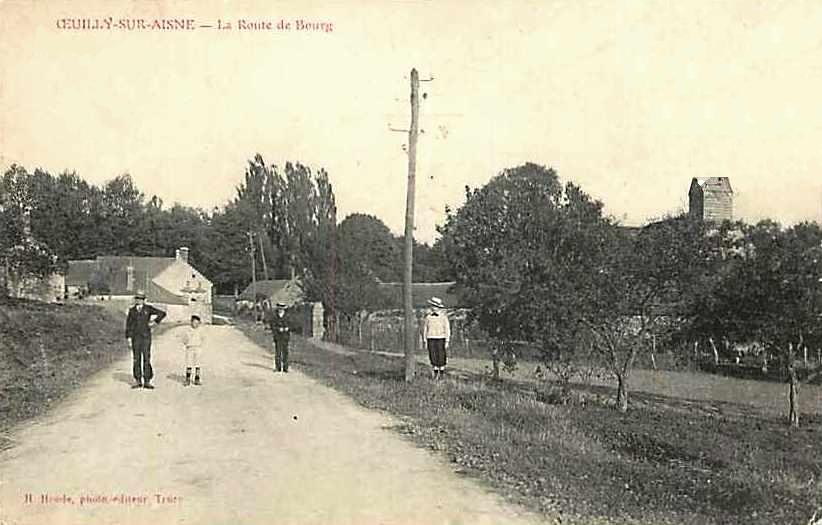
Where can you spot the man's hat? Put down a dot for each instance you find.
(436, 302)
(282, 305)
(195, 317)
(140, 295)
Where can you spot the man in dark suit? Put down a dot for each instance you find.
(139, 322)
(281, 332)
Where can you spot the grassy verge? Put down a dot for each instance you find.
(589, 464)
(47, 350)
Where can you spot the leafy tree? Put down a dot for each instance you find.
(260, 203)
(701, 315)
(539, 262)
(640, 290)
(66, 214)
(518, 248)
(302, 215)
(294, 212)
(367, 240)
(319, 252)
(21, 254)
(367, 253)
(429, 263)
(225, 257)
(770, 293)
(122, 209)
(185, 226)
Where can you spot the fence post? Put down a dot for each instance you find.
(653, 350)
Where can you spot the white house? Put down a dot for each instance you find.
(170, 283)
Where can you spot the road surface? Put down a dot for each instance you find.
(249, 446)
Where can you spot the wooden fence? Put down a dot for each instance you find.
(384, 331)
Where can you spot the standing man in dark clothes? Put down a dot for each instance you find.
(138, 334)
(281, 333)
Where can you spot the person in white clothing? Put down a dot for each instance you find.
(193, 342)
(436, 334)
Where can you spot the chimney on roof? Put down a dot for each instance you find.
(182, 254)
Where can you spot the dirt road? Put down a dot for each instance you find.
(249, 446)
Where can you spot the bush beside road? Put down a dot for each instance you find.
(47, 350)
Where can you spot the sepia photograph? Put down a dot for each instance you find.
(404, 262)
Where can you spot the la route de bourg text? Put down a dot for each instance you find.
(191, 24)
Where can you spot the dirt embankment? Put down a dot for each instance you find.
(46, 350)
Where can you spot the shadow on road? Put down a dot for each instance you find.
(177, 378)
(122, 377)
(257, 365)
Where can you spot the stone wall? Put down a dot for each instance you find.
(50, 289)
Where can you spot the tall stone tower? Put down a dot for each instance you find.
(711, 199)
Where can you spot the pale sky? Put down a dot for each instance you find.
(629, 99)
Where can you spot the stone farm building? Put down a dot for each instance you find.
(711, 199)
(170, 283)
(286, 291)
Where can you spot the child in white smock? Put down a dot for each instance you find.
(192, 339)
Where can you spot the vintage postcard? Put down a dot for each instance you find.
(361, 262)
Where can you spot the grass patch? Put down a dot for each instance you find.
(589, 464)
(47, 350)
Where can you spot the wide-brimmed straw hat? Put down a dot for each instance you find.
(140, 295)
(436, 302)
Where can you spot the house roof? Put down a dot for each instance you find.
(157, 294)
(113, 271)
(630, 230)
(712, 184)
(281, 290)
(420, 293)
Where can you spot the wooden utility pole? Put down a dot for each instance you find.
(262, 254)
(253, 272)
(408, 305)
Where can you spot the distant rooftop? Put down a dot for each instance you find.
(421, 293)
(278, 290)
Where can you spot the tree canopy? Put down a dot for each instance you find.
(538, 261)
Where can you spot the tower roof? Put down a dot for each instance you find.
(712, 184)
